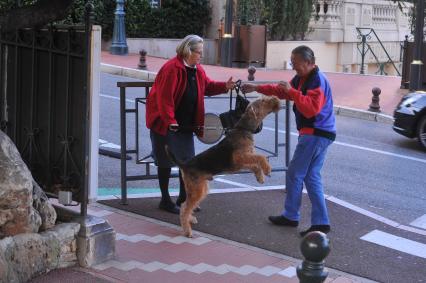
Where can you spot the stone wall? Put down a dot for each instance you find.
(27, 255)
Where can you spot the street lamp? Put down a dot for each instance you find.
(119, 44)
(227, 38)
(416, 78)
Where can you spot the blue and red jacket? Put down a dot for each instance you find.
(313, 103)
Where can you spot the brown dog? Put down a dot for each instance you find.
(234, 153)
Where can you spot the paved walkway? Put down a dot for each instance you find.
(148, 250)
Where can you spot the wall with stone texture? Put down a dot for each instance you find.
(28, 255)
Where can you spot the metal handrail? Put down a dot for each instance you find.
(124, 151)
(364, 37)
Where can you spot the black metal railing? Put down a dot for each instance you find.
(147, 160)
(364, 47)
(44, 100)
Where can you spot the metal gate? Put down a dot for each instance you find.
(44, 100)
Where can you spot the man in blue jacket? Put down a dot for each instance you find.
(313, 107)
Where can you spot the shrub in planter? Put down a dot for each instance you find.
(175, 19)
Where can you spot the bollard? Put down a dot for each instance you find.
(374, 106)
(315, 247)
(142, 60)
(251, 70)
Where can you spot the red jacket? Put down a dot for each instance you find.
(167, 91)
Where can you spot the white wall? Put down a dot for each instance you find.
(278, 52)
(94, 112)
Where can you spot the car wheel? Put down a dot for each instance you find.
(421, 131)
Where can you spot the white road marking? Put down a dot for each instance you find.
(104, 143)
(420, 222)
(374, 216)
(397, 243)
(362, 148)
(116, 98)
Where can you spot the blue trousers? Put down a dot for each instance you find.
(305, 167)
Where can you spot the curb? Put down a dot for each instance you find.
(338, 110)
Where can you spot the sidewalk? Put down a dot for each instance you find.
(148, 250)
(351, 92)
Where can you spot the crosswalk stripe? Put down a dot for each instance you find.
(397, 243)
(420, 222)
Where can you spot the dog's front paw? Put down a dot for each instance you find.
(260, 178)
(268, 170)
(194, 220)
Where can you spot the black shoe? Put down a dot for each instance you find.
(169, 207)
(281, 220)
(322, 228)
(196, 209)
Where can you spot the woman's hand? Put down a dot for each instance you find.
(246, 88)
(230, 84)
(174, 127)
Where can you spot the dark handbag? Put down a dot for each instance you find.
(231, 117)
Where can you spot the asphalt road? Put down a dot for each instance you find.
(370, 170)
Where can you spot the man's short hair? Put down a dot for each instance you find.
(188, 44)
(305, 52)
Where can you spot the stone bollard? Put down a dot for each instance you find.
(142, 60)
(315, 247)
(251, 70)
(374, 106)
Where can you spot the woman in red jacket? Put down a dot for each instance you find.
(175, 110)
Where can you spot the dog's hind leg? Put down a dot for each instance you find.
(264, 164)
(186, 217)
(194, 194)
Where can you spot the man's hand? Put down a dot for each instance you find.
(174, 127)
(285, 86)
(230, 84)
(246, 88)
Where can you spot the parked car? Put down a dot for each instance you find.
(410, 117)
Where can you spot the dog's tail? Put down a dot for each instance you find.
(170, 154)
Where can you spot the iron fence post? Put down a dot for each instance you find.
(364, 39)
(123, 145)
(287, 133)
(416, 81)
(88, 34)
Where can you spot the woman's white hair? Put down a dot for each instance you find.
(188, 44)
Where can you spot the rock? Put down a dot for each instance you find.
(17, 214)
(44, 207)
(25, 256)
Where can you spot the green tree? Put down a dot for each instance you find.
(285, 19)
